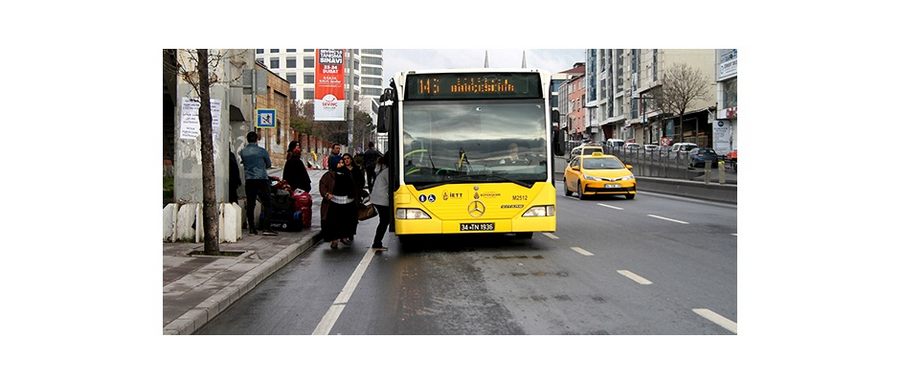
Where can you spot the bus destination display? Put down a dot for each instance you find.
(473, 86)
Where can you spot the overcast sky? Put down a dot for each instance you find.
(551, 60)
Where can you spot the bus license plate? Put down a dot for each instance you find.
(476, 226)
(611, 185)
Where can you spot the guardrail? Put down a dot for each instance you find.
(676, 165)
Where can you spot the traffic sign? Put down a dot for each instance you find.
(265, 118)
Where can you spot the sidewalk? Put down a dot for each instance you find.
(197, 288)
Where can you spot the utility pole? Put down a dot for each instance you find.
(350, 108)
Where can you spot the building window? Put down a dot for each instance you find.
(309, 62)
(654, 65)
(634, 108)
(355, 64)
(729, 93)
(291, 50)
(636, 68)
(371, 81)
(292, 78)
(375, 71)
(291, 62)
(260, 51)
(309, 77)
(620, 109)
(273, 50)
(308, 93)
(620, 78)
(309, 50)
(372, 52)
(366, 60)
(371, 92)
(293, 94)
(273, 62)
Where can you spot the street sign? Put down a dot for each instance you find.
(265, 118)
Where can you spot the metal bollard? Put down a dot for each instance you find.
(707, 168)
(721, 172)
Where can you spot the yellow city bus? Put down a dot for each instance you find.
(470, 151)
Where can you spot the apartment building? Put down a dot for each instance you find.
(625, 110)
(570, 101)
(726, 92)
(298, 67)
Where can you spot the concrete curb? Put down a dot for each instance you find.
(691, 189)
(195, 318)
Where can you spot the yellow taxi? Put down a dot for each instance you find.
(599, 174)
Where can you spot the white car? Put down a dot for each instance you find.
(651, 148)
(631, 147)
(681, 149)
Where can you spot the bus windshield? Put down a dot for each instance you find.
(474, 141)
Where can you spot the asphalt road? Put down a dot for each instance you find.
(652, 265)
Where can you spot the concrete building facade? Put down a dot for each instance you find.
(726, 92)
(627, 77)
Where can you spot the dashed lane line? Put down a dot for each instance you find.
(717, 319)
(334, 312)
(582, 251)
(609, 206)
(667, 219)
(551, 236)
(634, 277)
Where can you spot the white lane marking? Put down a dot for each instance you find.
(575, 198)
(717, 319)
(551, 236)
(634, 277)
(609, 206)
(667, 219)
(734, 234)
(582, 251)
(334, 312)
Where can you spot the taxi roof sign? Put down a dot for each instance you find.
(597, 154)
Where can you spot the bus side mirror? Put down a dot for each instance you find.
(384, 113)
(558, 144)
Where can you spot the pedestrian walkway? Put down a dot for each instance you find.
(197, 288)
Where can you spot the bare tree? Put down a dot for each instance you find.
(198, 68)
(680, 85)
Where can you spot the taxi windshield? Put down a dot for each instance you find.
(603, 163)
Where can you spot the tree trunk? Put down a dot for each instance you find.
(681, 125)
(210, 208)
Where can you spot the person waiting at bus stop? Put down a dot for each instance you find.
(339, 210)
(295, 170)
(256, 183)
(381, 200)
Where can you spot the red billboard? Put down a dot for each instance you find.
(329, 99)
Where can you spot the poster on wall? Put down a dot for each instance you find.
(328, 104)
(190, 118)
(722, 136)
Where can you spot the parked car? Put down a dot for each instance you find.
(615, 143)
(651, 148)
(599, 174)
(585, 150)
(681, 148)
(699, 157)
(631, 147)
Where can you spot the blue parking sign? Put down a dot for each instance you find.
(265, 118)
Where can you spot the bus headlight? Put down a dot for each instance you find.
(540, 211)
(412, 214)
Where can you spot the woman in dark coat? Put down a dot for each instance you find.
(359, 182)
(339, 193)
(295, 172)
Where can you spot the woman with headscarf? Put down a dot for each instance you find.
(294, 170)
(339, 212)
(359, 182)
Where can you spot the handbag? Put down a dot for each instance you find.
(366, 211)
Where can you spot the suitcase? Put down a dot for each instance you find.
(306, 216)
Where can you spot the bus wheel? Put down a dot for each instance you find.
(524, 235)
